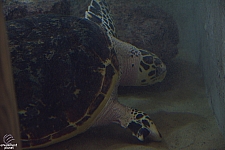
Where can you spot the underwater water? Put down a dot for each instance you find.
(178, 105)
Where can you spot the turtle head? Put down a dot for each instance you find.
(151, 69)
(143, 127)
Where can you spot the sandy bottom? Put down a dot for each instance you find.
(179, 108)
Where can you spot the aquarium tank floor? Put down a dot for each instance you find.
(179, 108)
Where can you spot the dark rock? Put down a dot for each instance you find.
(147, 27)
(137, 22)
(142, 24)
(16, 9)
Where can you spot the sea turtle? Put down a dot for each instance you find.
(67, 71)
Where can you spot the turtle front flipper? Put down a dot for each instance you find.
(137, 121)
(142, 126)
(99, 12)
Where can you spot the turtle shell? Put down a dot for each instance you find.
(64, 69)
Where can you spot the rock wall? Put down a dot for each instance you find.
(212, 57)
(202, 41)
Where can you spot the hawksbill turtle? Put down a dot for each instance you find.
(67, 71)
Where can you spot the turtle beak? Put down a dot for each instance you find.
(161, 72)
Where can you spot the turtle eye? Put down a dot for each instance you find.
(157, 61)
(151, 73)
(148, 59)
